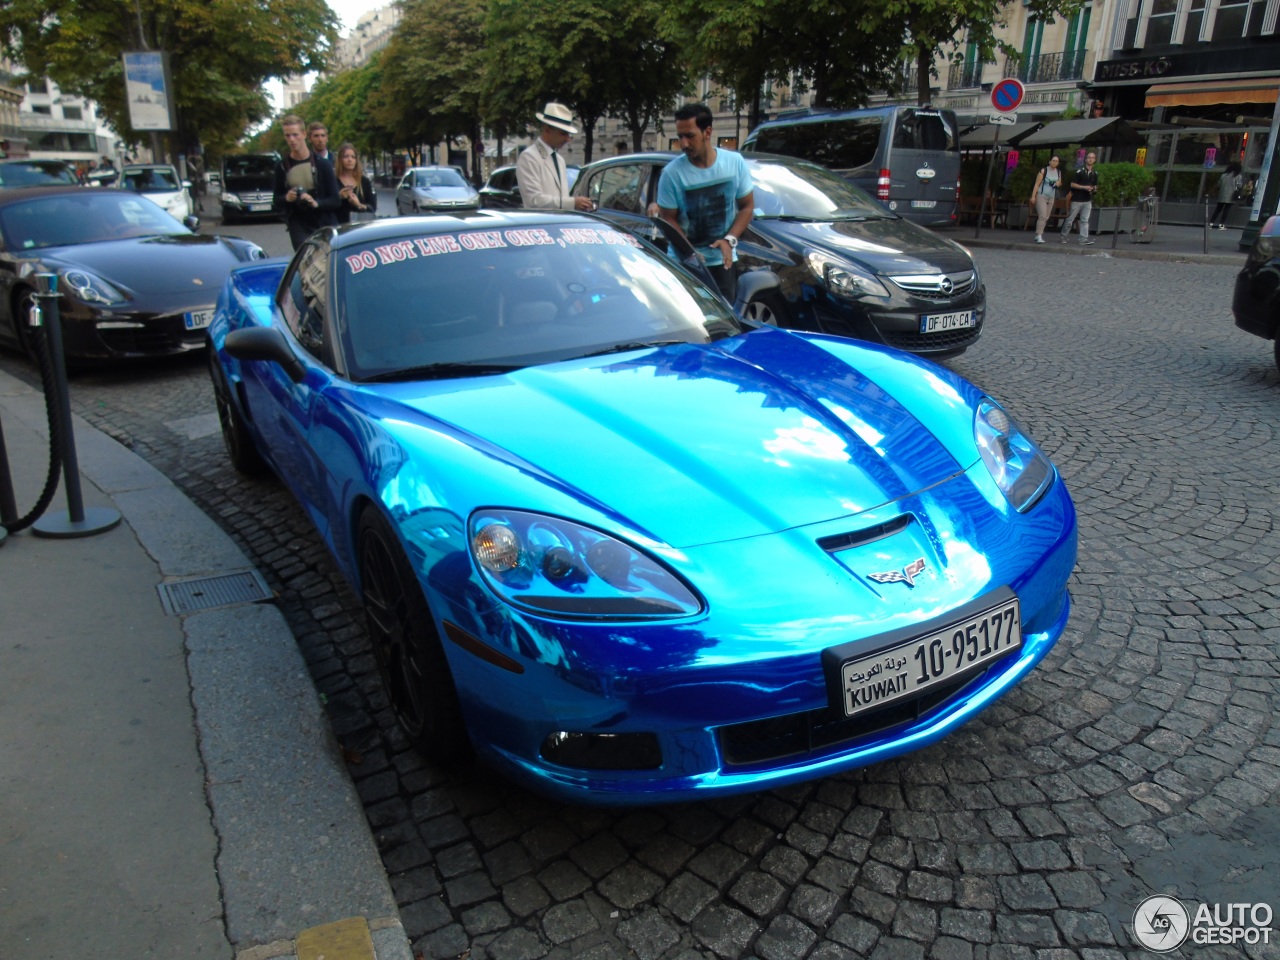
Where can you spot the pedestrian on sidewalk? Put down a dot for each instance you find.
(306, 188)
(1229, 185)
(1084, 184)
(1044, 193)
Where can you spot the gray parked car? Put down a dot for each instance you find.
(434, 190)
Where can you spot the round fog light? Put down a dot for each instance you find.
(497, 547)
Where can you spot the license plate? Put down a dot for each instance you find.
(197, 319)
(923, 204)
(259, 207)
(916, 665)
(940, 322)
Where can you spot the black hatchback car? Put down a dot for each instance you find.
(845, 264)
(1256, 302)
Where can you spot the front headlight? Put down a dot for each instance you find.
(1020, 470)
(562, 569)
(843, 278)
(230, 198)
(1264, 248)
(90, 288)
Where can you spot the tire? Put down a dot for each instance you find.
(236, 439)
(1277, 344)
(406, 645)
(766, 308)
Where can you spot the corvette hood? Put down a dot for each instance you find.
(890, 246)
(699, 444)
(159, 265)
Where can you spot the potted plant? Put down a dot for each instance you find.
(1119, 186)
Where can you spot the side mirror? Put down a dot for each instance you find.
(265, 343)
(192, 223)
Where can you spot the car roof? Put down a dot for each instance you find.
(665, 156)
(149, 166)
(19, 194)
(393, 228)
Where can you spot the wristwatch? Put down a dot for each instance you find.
(732, 240)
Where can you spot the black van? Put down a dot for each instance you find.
(248, 186)
(907, 157)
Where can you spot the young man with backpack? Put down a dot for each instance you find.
(306, 188)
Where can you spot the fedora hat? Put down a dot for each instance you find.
(559, 116)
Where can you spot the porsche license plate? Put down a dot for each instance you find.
(913, 667)
(197, 319)
(941, 322)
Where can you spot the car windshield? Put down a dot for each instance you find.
(86, 217)
(446, 304)
(36, 173)
(439, 178)
(151, 179)
(808, 192)
(250, 166)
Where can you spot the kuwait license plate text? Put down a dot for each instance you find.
(908, 669)
(941, 322)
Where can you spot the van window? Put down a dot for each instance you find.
(924, 130)
(838, 144)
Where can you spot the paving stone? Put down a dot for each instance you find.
(517, 944)
(568, 921)
(630, 885)
(649, 935)
(725, 931)
(915, 921)
(786, 938)
(1027, 891)
(451, 941)
(814, 905)
(855, 933)
(686, 895)
(525, 896)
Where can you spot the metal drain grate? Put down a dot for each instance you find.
(205, 593)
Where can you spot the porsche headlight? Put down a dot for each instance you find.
(562, 569)
(90, 288)
(843, 278)
(1020, 470)
(1264, 248)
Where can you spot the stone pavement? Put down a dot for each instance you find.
(169, 786)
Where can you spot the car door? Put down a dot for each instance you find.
(622, 193)
(404, 193)
(283, 410)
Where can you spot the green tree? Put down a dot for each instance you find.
(592, 55)
(929, 26)
(221, 52)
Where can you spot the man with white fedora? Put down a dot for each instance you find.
(540, 171)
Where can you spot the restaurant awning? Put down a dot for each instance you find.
(979, 138)
(1091, 132)
(1210, 92)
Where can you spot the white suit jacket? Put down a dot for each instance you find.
(536, 170)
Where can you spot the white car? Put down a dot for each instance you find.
(159, 183)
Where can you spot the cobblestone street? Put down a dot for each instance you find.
(1142, 756)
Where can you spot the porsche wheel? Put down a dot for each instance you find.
(765, 308)
(241, 452)
(406, 646)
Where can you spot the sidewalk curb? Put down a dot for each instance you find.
(295, 852)
(1124, 250)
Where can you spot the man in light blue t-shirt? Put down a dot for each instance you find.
(708, 195)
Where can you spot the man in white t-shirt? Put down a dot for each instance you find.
(708, 195)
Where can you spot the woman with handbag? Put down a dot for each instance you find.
(359, 200)
(1044, 193)
(1229, 185)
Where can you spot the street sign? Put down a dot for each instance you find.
(1005, 119)
(1007, 94)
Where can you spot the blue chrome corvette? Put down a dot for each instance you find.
(621, 543)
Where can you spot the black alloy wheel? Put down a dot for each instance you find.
(406, 645)
(766, 308)
(241, 451)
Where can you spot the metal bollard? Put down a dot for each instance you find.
(1206, 223)
(77, 522)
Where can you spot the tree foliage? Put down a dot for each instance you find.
(221, 52)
